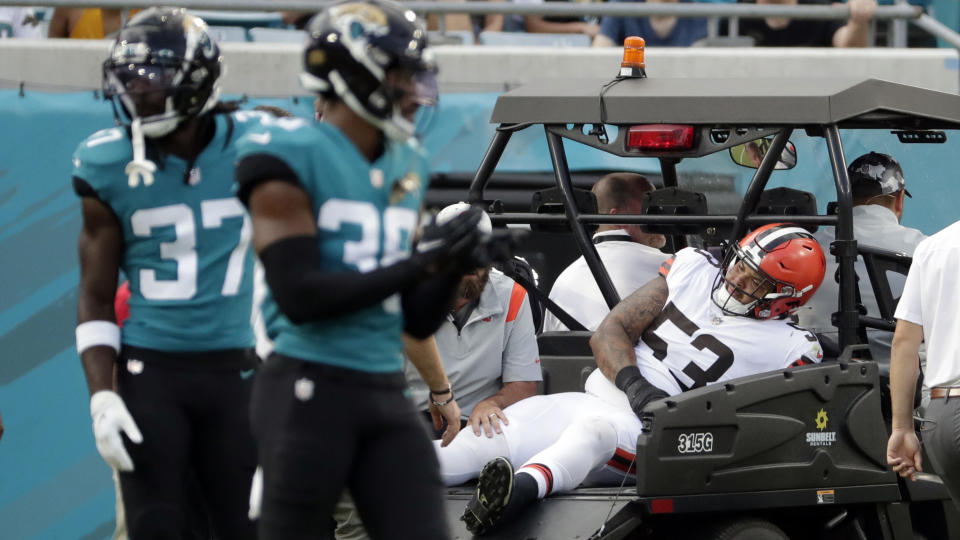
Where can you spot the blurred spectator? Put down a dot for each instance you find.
(539, 24)
(492, 22)
(20, 22)
(657, 31)
(631, 256)
(786, 32)
(296, 19)
(451, 21)
(916, 36)
(1, 427)
(95, 23)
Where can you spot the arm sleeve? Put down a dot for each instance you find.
(83, 188)
(426, 304)
(255, 169)
(521, 357)
(304, 293)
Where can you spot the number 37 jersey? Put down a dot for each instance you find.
(691, 343)
(185, 241)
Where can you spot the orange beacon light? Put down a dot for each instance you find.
(632, 64)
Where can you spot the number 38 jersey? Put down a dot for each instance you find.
(185, 241)
(366, 214)
(691, 343)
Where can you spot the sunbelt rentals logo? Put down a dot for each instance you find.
(821, 437)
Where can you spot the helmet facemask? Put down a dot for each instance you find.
(411, 91)
(743, 288)
(163, 70)
(160, 93)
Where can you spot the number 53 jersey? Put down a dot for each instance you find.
(691, 343)
(366, 214)
(185, 241)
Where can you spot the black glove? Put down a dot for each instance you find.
(639, 392)
(444, 246)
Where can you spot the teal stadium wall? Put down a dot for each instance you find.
(53, 484)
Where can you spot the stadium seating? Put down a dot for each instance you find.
(451, 37)
(246, 19)
(277, 35)
(544, 40)
(224, 34)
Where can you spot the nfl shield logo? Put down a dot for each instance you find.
(194, 176)
(134, 366)
(303, 389)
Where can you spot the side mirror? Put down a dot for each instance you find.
(750, 154)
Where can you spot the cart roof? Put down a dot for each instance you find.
(850, 103)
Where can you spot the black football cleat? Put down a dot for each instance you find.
(494, 490)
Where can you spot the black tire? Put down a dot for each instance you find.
(744, 529)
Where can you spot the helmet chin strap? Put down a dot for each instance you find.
(140, 169)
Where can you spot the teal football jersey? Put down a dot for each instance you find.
(366, 215)
(185, 241)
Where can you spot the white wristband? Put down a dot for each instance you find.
(94, 333)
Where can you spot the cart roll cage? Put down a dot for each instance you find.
(724, 113)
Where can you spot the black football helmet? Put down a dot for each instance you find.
(350, 48)
(163, 69)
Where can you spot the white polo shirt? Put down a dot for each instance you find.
(876, 226)
(930, 298)
(497, 345)
(630, 265)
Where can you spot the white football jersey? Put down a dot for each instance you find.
(692, 343)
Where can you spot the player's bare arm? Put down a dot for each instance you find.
(98, 339)
(488, 414)
(425, 356)
(279, 210)
(613, 342)
(100, 249)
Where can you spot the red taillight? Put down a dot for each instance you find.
(660, 137)
(661, 506)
